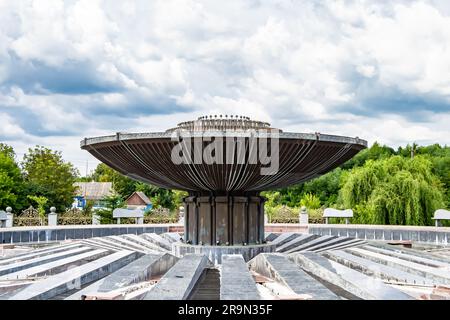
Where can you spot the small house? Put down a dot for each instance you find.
(138, 200)
(92, 191)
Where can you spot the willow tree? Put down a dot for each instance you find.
(396, 190)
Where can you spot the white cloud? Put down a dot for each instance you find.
(69, 69)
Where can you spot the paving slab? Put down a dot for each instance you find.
(410, 251)
(236, 282)
(139, 270)
(440, 276)
(171, 236)
(304, 238)
(349, 280)
(76, 277)
(131, 244)
(408, 257)
(157, 240)
(144, 242)
(311, 243)
(21, 265)
(179, 281)
(374, 269)
(38, 253)
(279, 268)
(347, 244)
(271, 236)
(57, 266)
(285, 237)
(118, 244)
(329, 243)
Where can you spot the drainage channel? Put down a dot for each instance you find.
(208, 286)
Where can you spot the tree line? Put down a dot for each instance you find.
(382, 185)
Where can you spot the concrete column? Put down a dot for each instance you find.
(140, 220)
(95, 219)
(181, 216)
(9, 218)
(303, 216)
(326, 220)
(52, 217)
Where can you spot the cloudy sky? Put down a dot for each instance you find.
(379, 70)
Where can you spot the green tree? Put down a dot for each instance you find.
(41, 205)
(310, 201)
(110, 203)
(48, 175)
(125, 186)
(11, 180)
(396, 190)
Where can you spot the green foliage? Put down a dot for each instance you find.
(48, 175)
(11, 180)
(125, 186)
(110, 203)
(310, 201)
(41, 203)
(395, 190)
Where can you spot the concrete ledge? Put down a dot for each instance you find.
(435, 235)
(215, 253)
(348, 279)
(236, 282)
(77, 232)
(277, 267)
(179, 281)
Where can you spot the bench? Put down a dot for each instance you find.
(127, 213)
(335, 213)
(441, 214)
(3, 219)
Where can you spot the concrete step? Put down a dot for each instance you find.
(311, 243)
(38, 253)
(410, 251)
(236, 281)
(339, 246)
(131, 245)
(171, 236)
(271, 236)
(57, 266)
(76, 277)
(21, 265)
(304, 238)
(284, 238)
(142, 269)
(93, 242)
(118, 246)
(348, 280)
(277, 267)
(178, 282)
(157, 240)
(326, 244)
(373, 269)
(144, 242)
(440, 276)
(408, 257)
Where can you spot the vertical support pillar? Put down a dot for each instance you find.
(186, 221)
(52, 217)
(9, 218)
(95, 219)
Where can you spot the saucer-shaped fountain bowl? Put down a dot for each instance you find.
(223, 162)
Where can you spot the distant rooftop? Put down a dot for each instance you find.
(94, 190)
